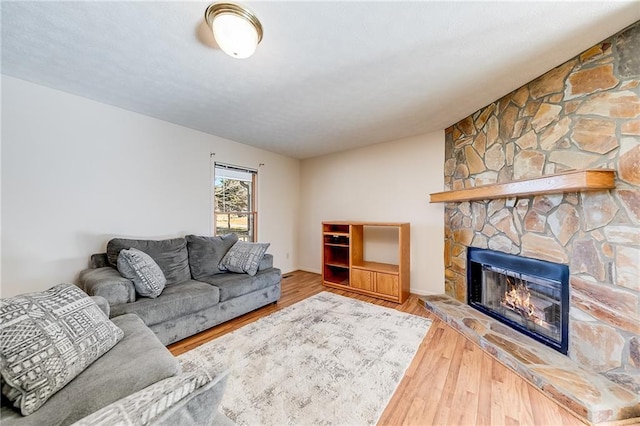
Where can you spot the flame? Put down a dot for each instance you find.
(518, 299)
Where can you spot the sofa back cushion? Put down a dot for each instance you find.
(205, 253)
(170, 255)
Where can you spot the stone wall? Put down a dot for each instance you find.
(583, 114)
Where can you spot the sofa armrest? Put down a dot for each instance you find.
(108, 283)
(266, 262)
(192, 397)
(102, 304)
(98, 260)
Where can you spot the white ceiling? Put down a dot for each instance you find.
(328, 76)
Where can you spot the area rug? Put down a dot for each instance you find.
(328, 359)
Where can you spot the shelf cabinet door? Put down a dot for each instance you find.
(362, 279)
(387, 284)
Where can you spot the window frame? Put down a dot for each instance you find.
(251, 213)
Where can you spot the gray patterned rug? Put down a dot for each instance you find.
(326, 360)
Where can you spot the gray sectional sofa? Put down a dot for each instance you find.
(137, 381)
(198, 294)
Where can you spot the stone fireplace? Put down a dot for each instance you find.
(529, 295)
(582, 114)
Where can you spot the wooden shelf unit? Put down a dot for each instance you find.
(569, 181)
(344, 263)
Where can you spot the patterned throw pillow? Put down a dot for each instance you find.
(47, 339)
(145, 273)
(244, 257)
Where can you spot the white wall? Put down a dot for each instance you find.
(76, 173)
(386, 182)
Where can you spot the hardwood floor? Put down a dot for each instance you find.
(451, 381)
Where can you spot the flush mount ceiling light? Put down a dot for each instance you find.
(235, 28)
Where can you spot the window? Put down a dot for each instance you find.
(234, 201)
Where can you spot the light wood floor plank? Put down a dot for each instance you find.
(451, 381)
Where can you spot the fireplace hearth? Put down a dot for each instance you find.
(529, 295)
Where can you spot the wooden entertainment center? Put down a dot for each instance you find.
(344, 263)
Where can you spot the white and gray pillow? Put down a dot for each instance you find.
(47, 339)
(244, 257)
(139, 267)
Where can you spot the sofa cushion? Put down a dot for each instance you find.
(138, 361)
(244, 257)
(47, 339)
(234, 285)
(205, 253)
(108, 283)
(145, 273)
(175, 301)
(187, 399)
(170, 255)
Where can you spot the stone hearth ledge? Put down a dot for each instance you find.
(586, 393)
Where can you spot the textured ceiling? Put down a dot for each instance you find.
(328, 76)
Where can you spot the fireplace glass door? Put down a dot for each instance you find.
(529, 295)
(533, 303)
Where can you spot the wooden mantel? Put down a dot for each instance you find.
(569, 181)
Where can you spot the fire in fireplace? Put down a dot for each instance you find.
(529, 295)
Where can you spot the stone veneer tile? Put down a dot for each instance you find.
(503, 244)
(494, 157)
(544, 203)
(466, 126)
(590, 80)
(586, 393)
(628, 45)
(521, 96)
(623, 104)
(495, 206)
(574, 160)
(507, 122)
(623, 234)
(534, 222)
(631, 128)
(595, 135)
(627, 272)
(547, 113)
(595, 52)
(629, 166)
(474, 161)
(503, 221)
(553, 137)
(484, 115)
(597, 345)
(479, 215)
(552, 81)
(492, 130)
(586, 259)
(599, 209)
(527, 141)
(545, 248)
(564, 222)
(528, 164)
(613, 306)
(634, 351)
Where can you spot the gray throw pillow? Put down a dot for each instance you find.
(145, 273)
(244, 257)
(47, 339)
(205, 253)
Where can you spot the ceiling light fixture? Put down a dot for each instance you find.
(236, 29)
